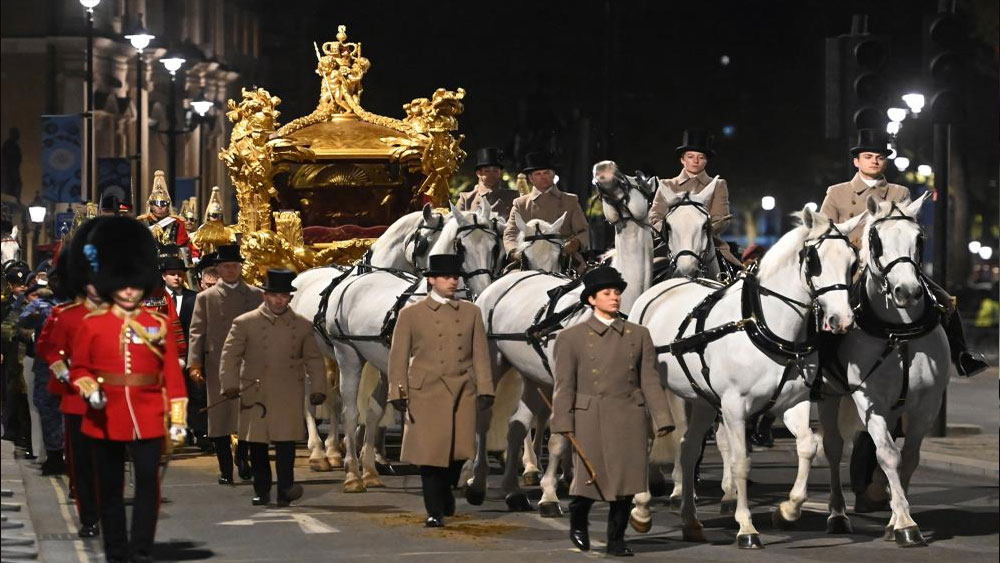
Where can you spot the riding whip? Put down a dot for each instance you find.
(227, 399)
(579, 451)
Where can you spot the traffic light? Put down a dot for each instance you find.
(855, 83)
(944, 40)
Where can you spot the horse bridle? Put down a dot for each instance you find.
(422, 242)
(702, 258)
(814, 266)
(551, 238)
(620, 205)
(875, 248)
(459, 247)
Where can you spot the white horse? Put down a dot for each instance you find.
(355, 315)
(751, 362)
(10, 249)
(403, 246)
(886, 379)
(510, 306)
(690, 245)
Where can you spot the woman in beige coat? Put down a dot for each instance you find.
(606, 387)
(439, 373)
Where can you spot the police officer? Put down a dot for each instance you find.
(606, 387)
(16, 420)
(439, 374)
(125, 365)
(215, 309)
(490, 188)
(547, 202)
(268, 354)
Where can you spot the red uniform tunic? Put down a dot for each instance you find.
(161, 302)
(123, 347)
(178, 232)
(55, 344)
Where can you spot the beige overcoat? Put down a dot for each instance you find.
(718, 207)
(548, 206)
(440, 362)
(501, 198)
(215, 309)
(606, 383)
(280, 351)
(849, 199)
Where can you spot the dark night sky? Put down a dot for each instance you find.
(537, 66)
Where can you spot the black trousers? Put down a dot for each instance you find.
(110, 458)
(80, 458)
(224, 454)
(436, 483)
(284, 462)
(618, 514)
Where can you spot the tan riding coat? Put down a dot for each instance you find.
(548, 206)
(280, 351)
(606, 384)
(502, 197)
(849, 199)
(440, 362)
(718, 207)
(215, 309)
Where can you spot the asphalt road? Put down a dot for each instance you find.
(206, 521)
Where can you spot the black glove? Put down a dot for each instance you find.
(399, 404)
(316, 399)
(484, 402)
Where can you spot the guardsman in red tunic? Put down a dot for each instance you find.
(55, 346)
(125, 365)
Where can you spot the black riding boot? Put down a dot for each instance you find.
(618, 514)
(579, 522)
(967, 363)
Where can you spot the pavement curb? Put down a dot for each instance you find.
(960, 465)
(19, 541)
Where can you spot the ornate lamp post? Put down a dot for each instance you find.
(140, 39)
(172, 62)
(91, 191)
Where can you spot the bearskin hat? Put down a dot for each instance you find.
(72, 268)
(121, 252)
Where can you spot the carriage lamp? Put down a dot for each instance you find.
(896, 115)
(767, 203)
(914, 101)
(974, 246)
(902, 163)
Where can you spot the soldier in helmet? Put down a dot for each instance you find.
(125, 366)
(167, 227)
(490, 188)
(213, 232)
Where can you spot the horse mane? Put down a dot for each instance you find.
(788, 246)
(398, 230)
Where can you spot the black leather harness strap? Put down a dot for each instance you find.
(319, 319)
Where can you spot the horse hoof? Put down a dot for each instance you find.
(748, 541)
(321, 465)
(890, 533)
(694, 534)
(336, 462)
(355, 485)
(550, 510)
(474, 497)
(657, 489)
(373, 482)
(909, 536)
(518, 502)
(727, 508)
(641, 526)
(532, 479)
(675, 504)
(779, 521)
(839, 524)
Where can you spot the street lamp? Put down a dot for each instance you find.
(902, 163)
(140, 39)
(36, 212)
(201, 106)
(925, 170)
(89, 6)
(914, 101)
(767, 203)
(172, 62)
(986, 252)
(974, 246)
(896, 115)
(892, 128)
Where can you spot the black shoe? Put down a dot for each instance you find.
(244, 470)
(580, 538)
(54, 465)
(261, 500)
(970, 364)
(89, 531)
(619, 549)
(434, 522)
(223, 480)
(286, 496)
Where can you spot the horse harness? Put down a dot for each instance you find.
(672, 258)
(422, 242)
(491, 229)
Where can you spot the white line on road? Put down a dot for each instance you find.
(81, 553)
(307, 523)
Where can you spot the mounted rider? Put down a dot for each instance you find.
(167, 227)
(490, 187)
(848, 199)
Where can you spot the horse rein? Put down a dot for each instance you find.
(810, 258)
(672, 257)
(875, 249)
(460, 247)
(422, 242)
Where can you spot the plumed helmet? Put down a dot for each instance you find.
(121, 252)
(159, 193)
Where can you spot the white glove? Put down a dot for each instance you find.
(177, 433)
(97, 399)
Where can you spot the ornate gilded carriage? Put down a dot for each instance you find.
(320, 188)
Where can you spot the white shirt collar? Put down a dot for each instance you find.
(229, 285)
(869, 182)
(607, 322)
(440, 299)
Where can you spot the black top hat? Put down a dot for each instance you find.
(871, 140)
(279, 281)
(489, 156)
(538, 161)
(172, 263)
(228, 253)
(696, 140)
(443, 265)
(601, 278)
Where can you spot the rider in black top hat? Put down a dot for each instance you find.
(490, 187)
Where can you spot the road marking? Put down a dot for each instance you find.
(307, 523)
(56, 483)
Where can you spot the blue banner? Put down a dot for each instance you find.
(62, 140)
(114, 177)
(185, 188)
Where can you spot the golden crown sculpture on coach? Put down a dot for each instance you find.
(340, 174)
